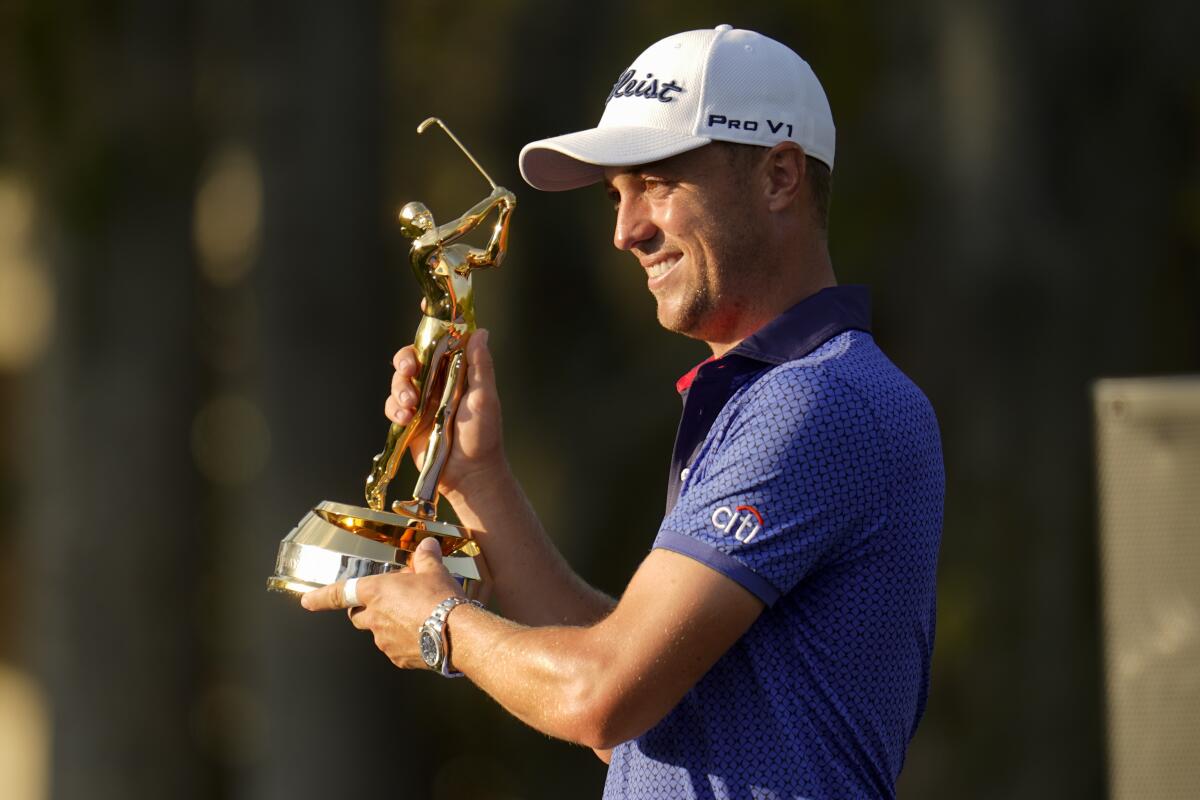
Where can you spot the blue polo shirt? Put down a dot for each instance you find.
(808, 469)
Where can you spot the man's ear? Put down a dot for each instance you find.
(785, 167)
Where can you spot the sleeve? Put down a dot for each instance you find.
(794, 477)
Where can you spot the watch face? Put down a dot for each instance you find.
(431, 648)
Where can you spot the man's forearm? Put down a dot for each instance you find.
(602, 684)
(533, 583)
(553, 678)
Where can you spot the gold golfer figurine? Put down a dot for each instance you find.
(442, 267)
(335, 541)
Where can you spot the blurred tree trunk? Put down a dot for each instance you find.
(336, 722)
(110, 516)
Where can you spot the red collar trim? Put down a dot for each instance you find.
(685, 381)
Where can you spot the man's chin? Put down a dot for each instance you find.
(678, 321)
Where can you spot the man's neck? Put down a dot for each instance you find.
(766, 302)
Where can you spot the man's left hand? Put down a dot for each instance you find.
(393, 607)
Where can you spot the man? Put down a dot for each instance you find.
(776, 641)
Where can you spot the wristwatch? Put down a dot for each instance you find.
(435, 648)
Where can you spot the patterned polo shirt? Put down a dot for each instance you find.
(808, 469)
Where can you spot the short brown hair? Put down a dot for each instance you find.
(817, 174)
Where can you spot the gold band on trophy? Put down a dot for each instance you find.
(334, 541)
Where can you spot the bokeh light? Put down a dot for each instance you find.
(228, 215)
(230, 439)
(26, 295)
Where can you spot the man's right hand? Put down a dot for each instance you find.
(531, 581)
(477, 444)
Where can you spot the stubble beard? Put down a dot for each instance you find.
(692, 313)
(708, 310)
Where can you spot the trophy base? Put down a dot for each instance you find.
(334, 542)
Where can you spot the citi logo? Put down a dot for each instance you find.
(744, 522)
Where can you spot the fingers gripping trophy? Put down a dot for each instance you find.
(335, 541)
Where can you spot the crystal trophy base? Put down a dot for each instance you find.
(334, 542)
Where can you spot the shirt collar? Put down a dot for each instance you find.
(800, 330)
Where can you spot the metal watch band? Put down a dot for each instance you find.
(437, 623)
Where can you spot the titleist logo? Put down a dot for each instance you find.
(628, 85)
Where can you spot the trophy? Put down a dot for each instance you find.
(335, 541)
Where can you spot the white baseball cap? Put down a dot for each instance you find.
(683, 92)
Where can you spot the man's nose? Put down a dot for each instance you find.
(633, 225)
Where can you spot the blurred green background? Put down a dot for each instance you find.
(201, 285)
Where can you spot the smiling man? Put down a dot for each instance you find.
(776, 641)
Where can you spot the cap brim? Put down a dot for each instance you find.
(579, 159)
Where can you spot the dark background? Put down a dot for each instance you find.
(201, 284)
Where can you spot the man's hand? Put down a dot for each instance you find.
(531, 581)
(394, 606)
(477, 445)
